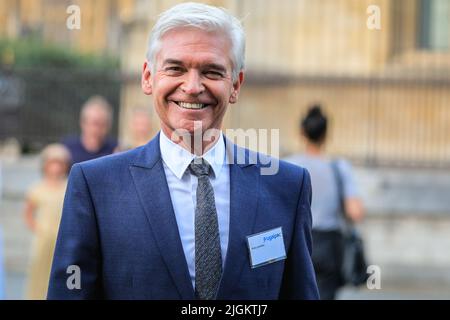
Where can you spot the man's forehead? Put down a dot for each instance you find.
(95, 111)
(193, 31)
(204, 41)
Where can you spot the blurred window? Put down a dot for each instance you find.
(434, 28)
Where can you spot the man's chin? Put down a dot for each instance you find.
(197, 130)
(191, 128)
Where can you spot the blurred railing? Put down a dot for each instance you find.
(388, 95)
(48, 103)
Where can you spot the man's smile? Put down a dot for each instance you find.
(191, 106)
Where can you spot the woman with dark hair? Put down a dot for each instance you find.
(328, 201)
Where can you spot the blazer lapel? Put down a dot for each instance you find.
(151, 184)
(244, 184)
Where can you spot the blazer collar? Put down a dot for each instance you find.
(150, 154)
(178, 158)
(151, 184)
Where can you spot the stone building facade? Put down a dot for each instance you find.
(385, 87)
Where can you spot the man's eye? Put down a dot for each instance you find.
(174, 70)
(214, 74)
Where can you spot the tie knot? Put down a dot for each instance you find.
(199, 167)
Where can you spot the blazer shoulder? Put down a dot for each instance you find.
(293, 174)
(287, 171)
(291, 168)
(279, 169)
(283, 176)
(111, 162)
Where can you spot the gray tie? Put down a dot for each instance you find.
(208, 257)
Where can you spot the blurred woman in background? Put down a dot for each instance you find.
(43, 209)
(328, 201)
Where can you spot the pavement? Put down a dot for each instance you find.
(396, 293)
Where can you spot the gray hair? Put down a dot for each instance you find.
(204, 17)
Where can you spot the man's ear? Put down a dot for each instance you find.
(237, 88)
(146, 78)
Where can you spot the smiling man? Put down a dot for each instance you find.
(183, 218)
(191, 79)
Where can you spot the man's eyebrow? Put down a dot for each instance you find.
(211, 65)
(172, 61)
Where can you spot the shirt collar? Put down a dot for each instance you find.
(178, 159)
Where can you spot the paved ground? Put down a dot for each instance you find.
(402, 292)
(15, 287)
(16, 176)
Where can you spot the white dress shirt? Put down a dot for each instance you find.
(183, 190)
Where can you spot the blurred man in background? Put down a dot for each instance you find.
(95, 121)
(140, 130)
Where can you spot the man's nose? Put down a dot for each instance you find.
(192, 84)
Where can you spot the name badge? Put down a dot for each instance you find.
(266, 247)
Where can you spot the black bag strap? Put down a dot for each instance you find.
(340, 189)
(354, 264)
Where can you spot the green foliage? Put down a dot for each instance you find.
(32, 52)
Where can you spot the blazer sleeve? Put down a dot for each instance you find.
(299, 280)
(77, 259)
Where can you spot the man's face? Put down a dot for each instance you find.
(95, 123)
(192, 80)
(55, 168)
(141, 125)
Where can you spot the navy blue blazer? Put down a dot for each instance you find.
(119, 228)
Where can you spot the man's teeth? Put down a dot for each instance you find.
(191, 105)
